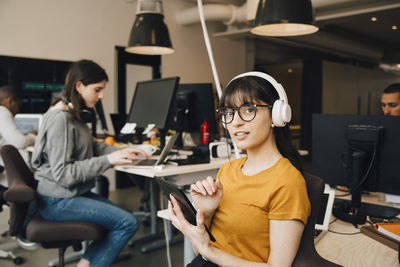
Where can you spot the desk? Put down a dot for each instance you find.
(181, 175)
(354, 250)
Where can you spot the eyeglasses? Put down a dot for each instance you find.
(247, 112)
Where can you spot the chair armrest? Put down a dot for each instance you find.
(19, 194)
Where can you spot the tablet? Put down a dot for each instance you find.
(184, 203)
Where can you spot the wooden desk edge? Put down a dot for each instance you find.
(381, 238)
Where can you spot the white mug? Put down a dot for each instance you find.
(149, 149)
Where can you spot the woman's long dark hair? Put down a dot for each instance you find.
(251, 90)
(85, 71)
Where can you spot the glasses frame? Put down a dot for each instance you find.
(238, 112)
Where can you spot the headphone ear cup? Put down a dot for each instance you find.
(276, 118)
(281, 113)
(87, 115)
(286, 113)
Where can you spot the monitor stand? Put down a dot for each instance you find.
(345, 212)
(354, 211)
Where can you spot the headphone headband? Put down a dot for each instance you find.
(281, 111)
(278, 87)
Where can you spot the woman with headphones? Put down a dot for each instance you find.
(67, 160)
(258, 206)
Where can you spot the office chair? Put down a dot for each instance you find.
(307, 256)
(6, 249)
(21, 191)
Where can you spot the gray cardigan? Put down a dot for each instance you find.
(66, 157)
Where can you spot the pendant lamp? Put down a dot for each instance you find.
(149, 34)
(284, 18)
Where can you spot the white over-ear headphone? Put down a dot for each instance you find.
(281, 111)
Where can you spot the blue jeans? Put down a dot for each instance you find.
(93, 208)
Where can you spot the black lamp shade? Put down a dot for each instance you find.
(149, 36)
(284, 18)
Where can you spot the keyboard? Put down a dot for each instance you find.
(189, 161)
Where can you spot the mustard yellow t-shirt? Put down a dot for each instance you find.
(241, 222)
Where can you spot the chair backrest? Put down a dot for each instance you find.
(307, 255)
(21, 185)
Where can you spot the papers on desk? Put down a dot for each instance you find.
(393, 198)
(129, 128)
(381, 238)
(390, 229)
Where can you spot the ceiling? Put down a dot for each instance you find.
(360, 27)
(346, 32)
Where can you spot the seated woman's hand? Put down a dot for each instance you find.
(125, 156)
(196, 234)
(206, 195)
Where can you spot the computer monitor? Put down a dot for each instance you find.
(194, 103)
(27, 123)
(360, 152)
(151, 103)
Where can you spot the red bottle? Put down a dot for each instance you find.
(205, 133)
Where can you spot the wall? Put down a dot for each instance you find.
(75, 29)
(343, 86)
(290, 76)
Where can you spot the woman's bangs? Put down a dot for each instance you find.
(238, 96)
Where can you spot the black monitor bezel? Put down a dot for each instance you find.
(326, 161)
(211, 118)
(165, 124)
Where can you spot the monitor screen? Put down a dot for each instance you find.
(331, 146)
(151, 102)
(194, 103)
(27, 123)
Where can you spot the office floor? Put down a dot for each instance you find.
(128, 199)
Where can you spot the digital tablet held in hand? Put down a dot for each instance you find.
(184, 203)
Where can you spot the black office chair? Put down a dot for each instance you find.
(21, 191)
(6, 249)
(307, 256)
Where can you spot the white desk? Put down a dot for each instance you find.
(187, 173)
(181, 175)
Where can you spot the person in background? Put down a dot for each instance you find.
(390, 100)
(9, 133)
(67, 159)
(258, 206)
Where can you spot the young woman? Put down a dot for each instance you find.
(67, 161)
(258, 206)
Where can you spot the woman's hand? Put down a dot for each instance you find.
(125, 156)
(206, 195)
(196, 234)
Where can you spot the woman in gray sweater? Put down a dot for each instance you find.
(67, 160)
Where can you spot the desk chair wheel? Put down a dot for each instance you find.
(18, 260)
(9, 255)
(4, 233)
